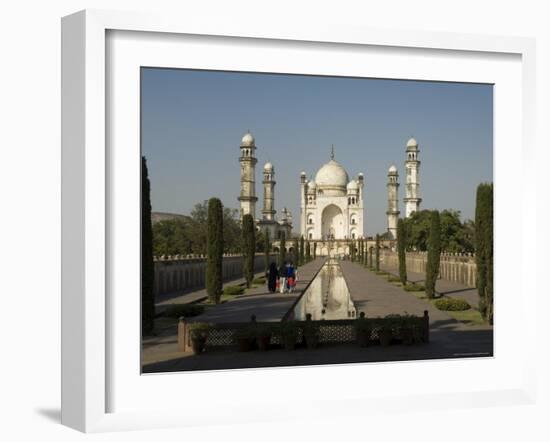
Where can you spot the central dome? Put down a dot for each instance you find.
(332, 176)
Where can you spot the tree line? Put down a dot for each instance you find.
(446, 234)
(455, 236)
(186, 235)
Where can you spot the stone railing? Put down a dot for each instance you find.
(184, 273)
(458, 267)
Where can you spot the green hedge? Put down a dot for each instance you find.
(258, 281)
(185, 310)
(233, 290)
(452, 304)
(414, 287)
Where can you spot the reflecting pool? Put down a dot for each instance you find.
(327, 297)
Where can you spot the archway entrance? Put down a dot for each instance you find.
(332, 226)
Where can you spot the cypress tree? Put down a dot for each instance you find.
(301, 258)
(147, 264)
(489, 243)
(314, 250)
(370, 257)
(480, 247)
(434, 252)
(267, 247)
(363, 252)
(308, 252)
(484, 249)
(296, 253)
(401, 241)
(377, 250)
(352, 247)
(214, 250)
(282, 251)
(249, 248)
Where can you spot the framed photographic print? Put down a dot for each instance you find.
(317, 211)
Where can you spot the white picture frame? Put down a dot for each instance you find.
(87, 353)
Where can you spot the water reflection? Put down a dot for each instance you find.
(327, 297)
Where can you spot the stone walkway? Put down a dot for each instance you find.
(374, 295)
(189, 297)
(443, 286)
(266, 306)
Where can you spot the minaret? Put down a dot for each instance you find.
(412, 165)
(268, 212)
(393, 212)
(248, 176)
(303, 189)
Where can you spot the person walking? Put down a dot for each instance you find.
(282, 277)
(290, 275)
(272, 276)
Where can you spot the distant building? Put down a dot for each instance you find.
(332, 204)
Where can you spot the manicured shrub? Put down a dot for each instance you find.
(401, 242)
(282, 251)
(249, 248)
(370, 257)
(295, 252)
(147, 265)
(267, 250)
(302, 252)
(233, 290)
(214, 250)
(434, 252)
(452, 304)
(414, 287)
(484, 249)
(377, 250)
(199, 330)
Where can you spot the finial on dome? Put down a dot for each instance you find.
(332, 152)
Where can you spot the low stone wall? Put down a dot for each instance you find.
(453, 267)
(175, 274)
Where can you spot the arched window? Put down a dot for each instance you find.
(310, 235)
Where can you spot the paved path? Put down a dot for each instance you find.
(167, 299)
(442, 286)
(374, 295)
(266, 306)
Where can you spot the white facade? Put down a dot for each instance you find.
(412, 168)
(331, 206)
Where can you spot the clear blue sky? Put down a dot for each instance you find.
(193, 121)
